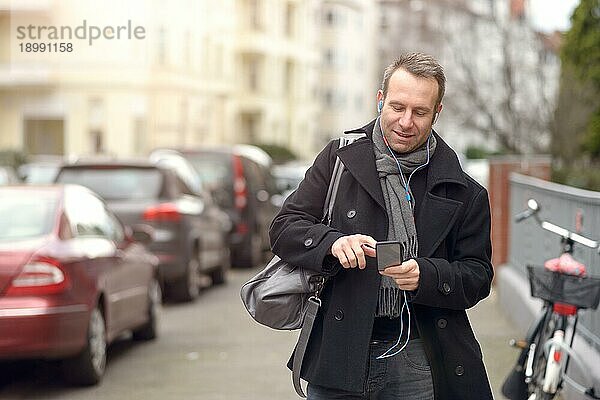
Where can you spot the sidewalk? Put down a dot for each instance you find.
(494, 330)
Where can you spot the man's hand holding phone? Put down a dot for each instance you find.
(406, 275)
(389, 262)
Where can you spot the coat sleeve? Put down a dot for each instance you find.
(466, 280)
(297, 234)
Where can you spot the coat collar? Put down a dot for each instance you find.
(444, 168)
(358, 156)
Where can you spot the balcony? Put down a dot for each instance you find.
(19, 75)
(12, 6)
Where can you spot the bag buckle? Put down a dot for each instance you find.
(319, 281)
(315, 299)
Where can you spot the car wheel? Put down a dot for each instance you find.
(87, 368)
(187, 288)
(251, 254)
(149, 330)
(219, 276)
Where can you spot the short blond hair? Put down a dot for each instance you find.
(417, 64)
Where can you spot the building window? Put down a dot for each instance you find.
(219, 59)
(330, 18)
(289, 78)
(161, 52)
(254, 14)
(358, 102)
(290, 20)
(328, 98)
(329, 57)
(252, 69)
(249, 127)
(253, 75)
(43, 136)
(335, 18)
(96, 141)
(140, 137)
(205, 55)
(187, 46)
(383, 22)
(96, 121)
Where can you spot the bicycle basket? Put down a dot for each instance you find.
(561, 288)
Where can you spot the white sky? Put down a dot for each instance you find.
(550, 15)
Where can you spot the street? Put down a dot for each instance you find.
(211, 350)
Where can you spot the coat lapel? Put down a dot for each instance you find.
(359, 160)
(434, 222)
(438, 212)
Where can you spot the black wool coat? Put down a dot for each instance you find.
(453, 229)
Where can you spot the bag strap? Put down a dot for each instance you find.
(314, 303)
(309, 319)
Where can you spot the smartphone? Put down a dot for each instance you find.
(388, 253)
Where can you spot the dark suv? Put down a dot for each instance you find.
(240, 179)
(190, 231)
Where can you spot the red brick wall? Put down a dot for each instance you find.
(499, 189)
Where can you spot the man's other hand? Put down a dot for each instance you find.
(406, 275)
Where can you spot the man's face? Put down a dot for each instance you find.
(408, 110)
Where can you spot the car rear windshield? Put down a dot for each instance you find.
(26, 214)
(214, 168)
(111, 183)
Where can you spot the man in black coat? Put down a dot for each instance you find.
(401, 333)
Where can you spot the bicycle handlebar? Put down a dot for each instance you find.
(532, 210)
(524, 215)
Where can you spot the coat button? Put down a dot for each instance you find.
(339, 315)
(459, 370)
(446, 287)
(351, 214)
(442, 323)
(308, 242)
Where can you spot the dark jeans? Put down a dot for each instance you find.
(406, 376)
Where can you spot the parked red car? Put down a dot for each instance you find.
(72, 279)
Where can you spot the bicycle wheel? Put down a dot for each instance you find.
(540, 360)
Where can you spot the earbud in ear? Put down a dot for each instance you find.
(379, 105)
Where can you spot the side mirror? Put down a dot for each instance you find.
(142, 233)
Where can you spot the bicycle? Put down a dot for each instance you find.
(563, 284)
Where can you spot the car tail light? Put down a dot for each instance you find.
(162, 212)
(240, 192)
(39, 276)
(241, 228)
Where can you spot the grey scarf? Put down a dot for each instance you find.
(399, 210)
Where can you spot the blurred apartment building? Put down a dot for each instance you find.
(350, 74)
(289, 72)
(233, 71)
